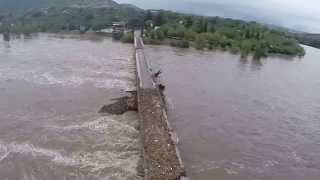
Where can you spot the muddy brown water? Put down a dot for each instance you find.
(51, 88)
(243, 119)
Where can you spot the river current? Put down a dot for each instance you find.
(243, 119)
(236, 119)
(51, 88)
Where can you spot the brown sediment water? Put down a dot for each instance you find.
(51, 89)
(243, 119)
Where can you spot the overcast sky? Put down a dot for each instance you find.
(301, 15)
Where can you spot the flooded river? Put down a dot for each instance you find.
(51, 88)
(243, 119)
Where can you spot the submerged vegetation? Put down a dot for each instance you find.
(235, 36)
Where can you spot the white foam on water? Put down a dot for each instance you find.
(30, 150)
(73, 81)
(4, 155)
(101, 160)
(271, 163)
(104, 124)
(48, 78)
(111, 143)
(205, 166)
(95, 162)
(102, 72)
(118, 146)
(116, 153)
(54, 78)
(231, 172)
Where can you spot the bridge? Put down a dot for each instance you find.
(161, 157)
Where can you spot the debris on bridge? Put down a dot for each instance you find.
(161, 157)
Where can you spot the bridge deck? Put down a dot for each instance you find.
(144, 73)
(160, 154)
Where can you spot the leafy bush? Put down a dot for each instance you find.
(159, 34)
(200, 42)
(190, 35)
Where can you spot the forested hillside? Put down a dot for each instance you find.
(28, 16)
(25, 5)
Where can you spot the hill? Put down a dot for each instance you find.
(26, 5)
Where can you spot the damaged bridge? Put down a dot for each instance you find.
(161, 157)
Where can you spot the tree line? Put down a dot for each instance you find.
(168, 27)
(237, 36)
(56, 19)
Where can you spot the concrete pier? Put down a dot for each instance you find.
(161, 157)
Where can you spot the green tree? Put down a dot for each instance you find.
(246, 47)
(159, 34)
(188, 21)
(190, 35)
(200, 42)
(260, 51)
(159, 19)
(148, 16)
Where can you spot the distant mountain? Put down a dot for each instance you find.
(25, 5)
(91, 3)
(130, 6)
